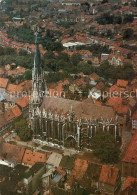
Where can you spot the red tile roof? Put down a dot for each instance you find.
(17, 71)
(9, 116)
(23, 102)
(118, 106)
(16, 111)
(13, 113)
(115, 88)
(131, 153)
(1, 71)
(14, 89)
(108, 175)
(134, 116)
(78, 171)
(94, 76)
(31, 157)
(3, 82)
(24, 86)
(129, 182)
(122, 83)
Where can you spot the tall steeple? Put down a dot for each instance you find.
(38, 89)
(37, 69)
(38, 81)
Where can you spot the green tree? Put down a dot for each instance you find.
(85, 68)
(76, 58)
(105, 147)
(63, 56)
(28, 75)
(23, 52)
(49, 55)
(1, 51)
(128, 33)
(9, 51)
(21, 127)
(50, 65)
(58, 47)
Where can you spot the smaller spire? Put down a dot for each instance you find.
(71, 113)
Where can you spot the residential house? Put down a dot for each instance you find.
(129, 161)
(31, 180)
(24, 105)
(31, 157)
(116, 60)
(4, 125)
(79, 170)
(10, 177)
(122, 83)
(128, 182)
(11, 154)
(19, 71)
(94, 77)
(109, 180)
(93, 174)
(121, 107)
(2, 71)
(6, 119)
(3, 84)
(54, 176)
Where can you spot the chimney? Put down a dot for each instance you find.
(110, 172)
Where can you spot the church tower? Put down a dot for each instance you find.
(38, 91)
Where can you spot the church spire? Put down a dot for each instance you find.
(37, 62)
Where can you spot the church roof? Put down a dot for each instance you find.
(81, 109)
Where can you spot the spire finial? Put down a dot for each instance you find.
(36, 38)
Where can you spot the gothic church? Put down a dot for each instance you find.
(68, 123)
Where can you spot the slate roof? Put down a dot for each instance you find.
(81, 109)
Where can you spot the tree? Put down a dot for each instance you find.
(64, 57)
(28, 75)
(21, 127)
(58, 47)
(105, 147)
(128, 18)
(85, 68)
(9, 51)
(1, 51)
(23, 52)
(109, 33)
(50, 64)
(76, 58)
(128, 33)
(49, 55)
